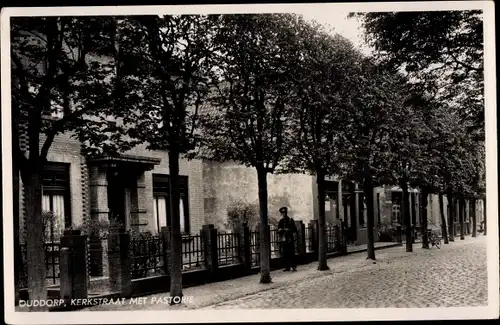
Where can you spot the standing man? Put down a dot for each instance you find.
(286, 232)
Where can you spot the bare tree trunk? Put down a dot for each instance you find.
(15, 204)
(406, 216)
(474, 218)
(368, 192)
(423, 211)
(485, 214)
(451, 216)
(35, 257)
(320, 181)
(265, 268)
(443, 218)
(176, 258)
(461, 206)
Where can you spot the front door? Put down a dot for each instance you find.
(116, 195)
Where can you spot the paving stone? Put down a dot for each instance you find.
(454, 276)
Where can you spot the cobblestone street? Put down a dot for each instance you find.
(454, 276)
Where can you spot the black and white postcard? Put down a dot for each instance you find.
(265, 162)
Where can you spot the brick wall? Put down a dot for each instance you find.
(67, 150)
(64, 149)
(229, 182)
(193, 169)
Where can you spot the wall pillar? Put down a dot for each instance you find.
(140, 203)
(340, 211)
(119, 262)
(356, 210)
(245, 254)
(73, 265)
(209, 237)
(386, 205)
(410, 202)
(99, 193)
(301, 237)
(99, 211)
(313, 224)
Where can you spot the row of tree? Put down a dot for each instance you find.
(270, 91)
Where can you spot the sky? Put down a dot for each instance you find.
(350, 28)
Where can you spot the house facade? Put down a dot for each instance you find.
(133, 189)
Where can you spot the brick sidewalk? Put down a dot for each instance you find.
(216, 293)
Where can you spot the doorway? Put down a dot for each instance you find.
(117, 200)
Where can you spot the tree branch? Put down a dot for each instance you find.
(55, 40)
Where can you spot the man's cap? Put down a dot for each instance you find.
(283, 209)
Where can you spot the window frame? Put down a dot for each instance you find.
(161, 187)
(58, 173)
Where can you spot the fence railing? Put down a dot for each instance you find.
(332, 238)
(227, 248)
(193, 256)
(51, 250)
(147, 257)
(97, 251)
(275, 250)
(146, 254)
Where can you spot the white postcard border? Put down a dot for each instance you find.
(203, 316)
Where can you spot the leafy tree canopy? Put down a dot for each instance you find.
(324, 78)
(251, 91)
(440, 50)
(63, 66)
(164, 74)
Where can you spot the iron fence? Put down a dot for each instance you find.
(275, 248)
(97, 257)
(193, 256)
(51, 250)
(147, 257)
(227, 248)
(332, 238)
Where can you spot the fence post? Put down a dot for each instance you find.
(399, 236)
(244, 247)
(167, 249)
(257, 243)
(301, 237)
(314, 237)
(119, 262)
(209, 237)
(73, 265)
(343, 234)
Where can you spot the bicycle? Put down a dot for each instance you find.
(434, 240)
(480, 228)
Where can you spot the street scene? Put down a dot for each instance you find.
(305, 159)
(454, 276)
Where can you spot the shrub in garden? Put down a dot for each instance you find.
(387, 232)
(146, 253)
